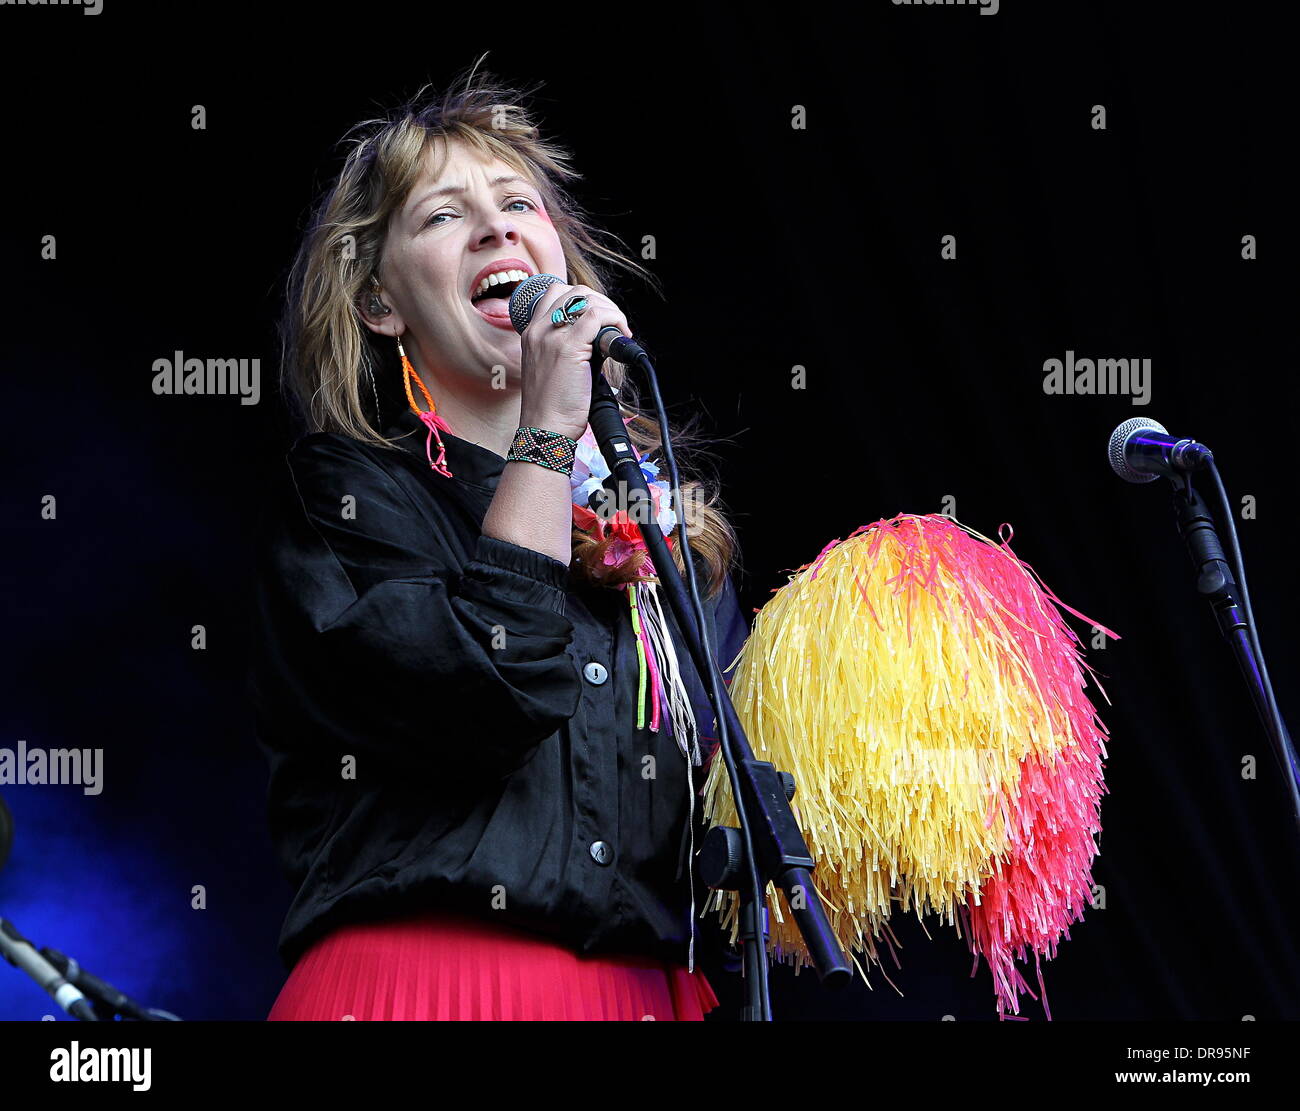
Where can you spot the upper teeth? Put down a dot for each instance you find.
(499, 277)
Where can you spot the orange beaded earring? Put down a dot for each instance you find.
(429, 416)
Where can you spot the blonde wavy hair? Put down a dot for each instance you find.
(326, 347)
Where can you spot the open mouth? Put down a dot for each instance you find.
(495, 299)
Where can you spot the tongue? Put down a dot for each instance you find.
(493, 306)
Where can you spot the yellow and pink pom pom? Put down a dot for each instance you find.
(928, 696)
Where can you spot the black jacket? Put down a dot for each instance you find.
(435, 736)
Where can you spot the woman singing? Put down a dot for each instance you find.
(485, 735)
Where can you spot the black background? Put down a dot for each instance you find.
(817, 247)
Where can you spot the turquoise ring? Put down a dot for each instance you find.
(569, 312)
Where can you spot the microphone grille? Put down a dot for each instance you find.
(524, 299)
(1119, 441)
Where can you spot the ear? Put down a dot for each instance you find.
(382, 324)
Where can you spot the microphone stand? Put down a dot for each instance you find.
(776, 845)
(108, 1000)
(1216, 583)
(82, 994)
(20, 953)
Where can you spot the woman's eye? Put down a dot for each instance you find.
(433, 220)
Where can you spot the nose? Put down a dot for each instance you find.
(498, 227)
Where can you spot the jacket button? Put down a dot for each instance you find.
(601, 853)
(595, 673)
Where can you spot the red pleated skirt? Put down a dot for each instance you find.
(440, 966)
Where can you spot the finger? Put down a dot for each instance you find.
(602, 313)
(599, 307)
(539, 321)
(552, 299)
(555, 295)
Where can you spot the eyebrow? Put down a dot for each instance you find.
(446, 190)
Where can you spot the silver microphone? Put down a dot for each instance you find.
(1141, 450)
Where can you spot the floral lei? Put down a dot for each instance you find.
(589, 474)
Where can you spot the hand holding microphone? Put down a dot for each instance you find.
(531, 506)
(555, 363)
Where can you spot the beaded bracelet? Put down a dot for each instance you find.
(552, 450)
